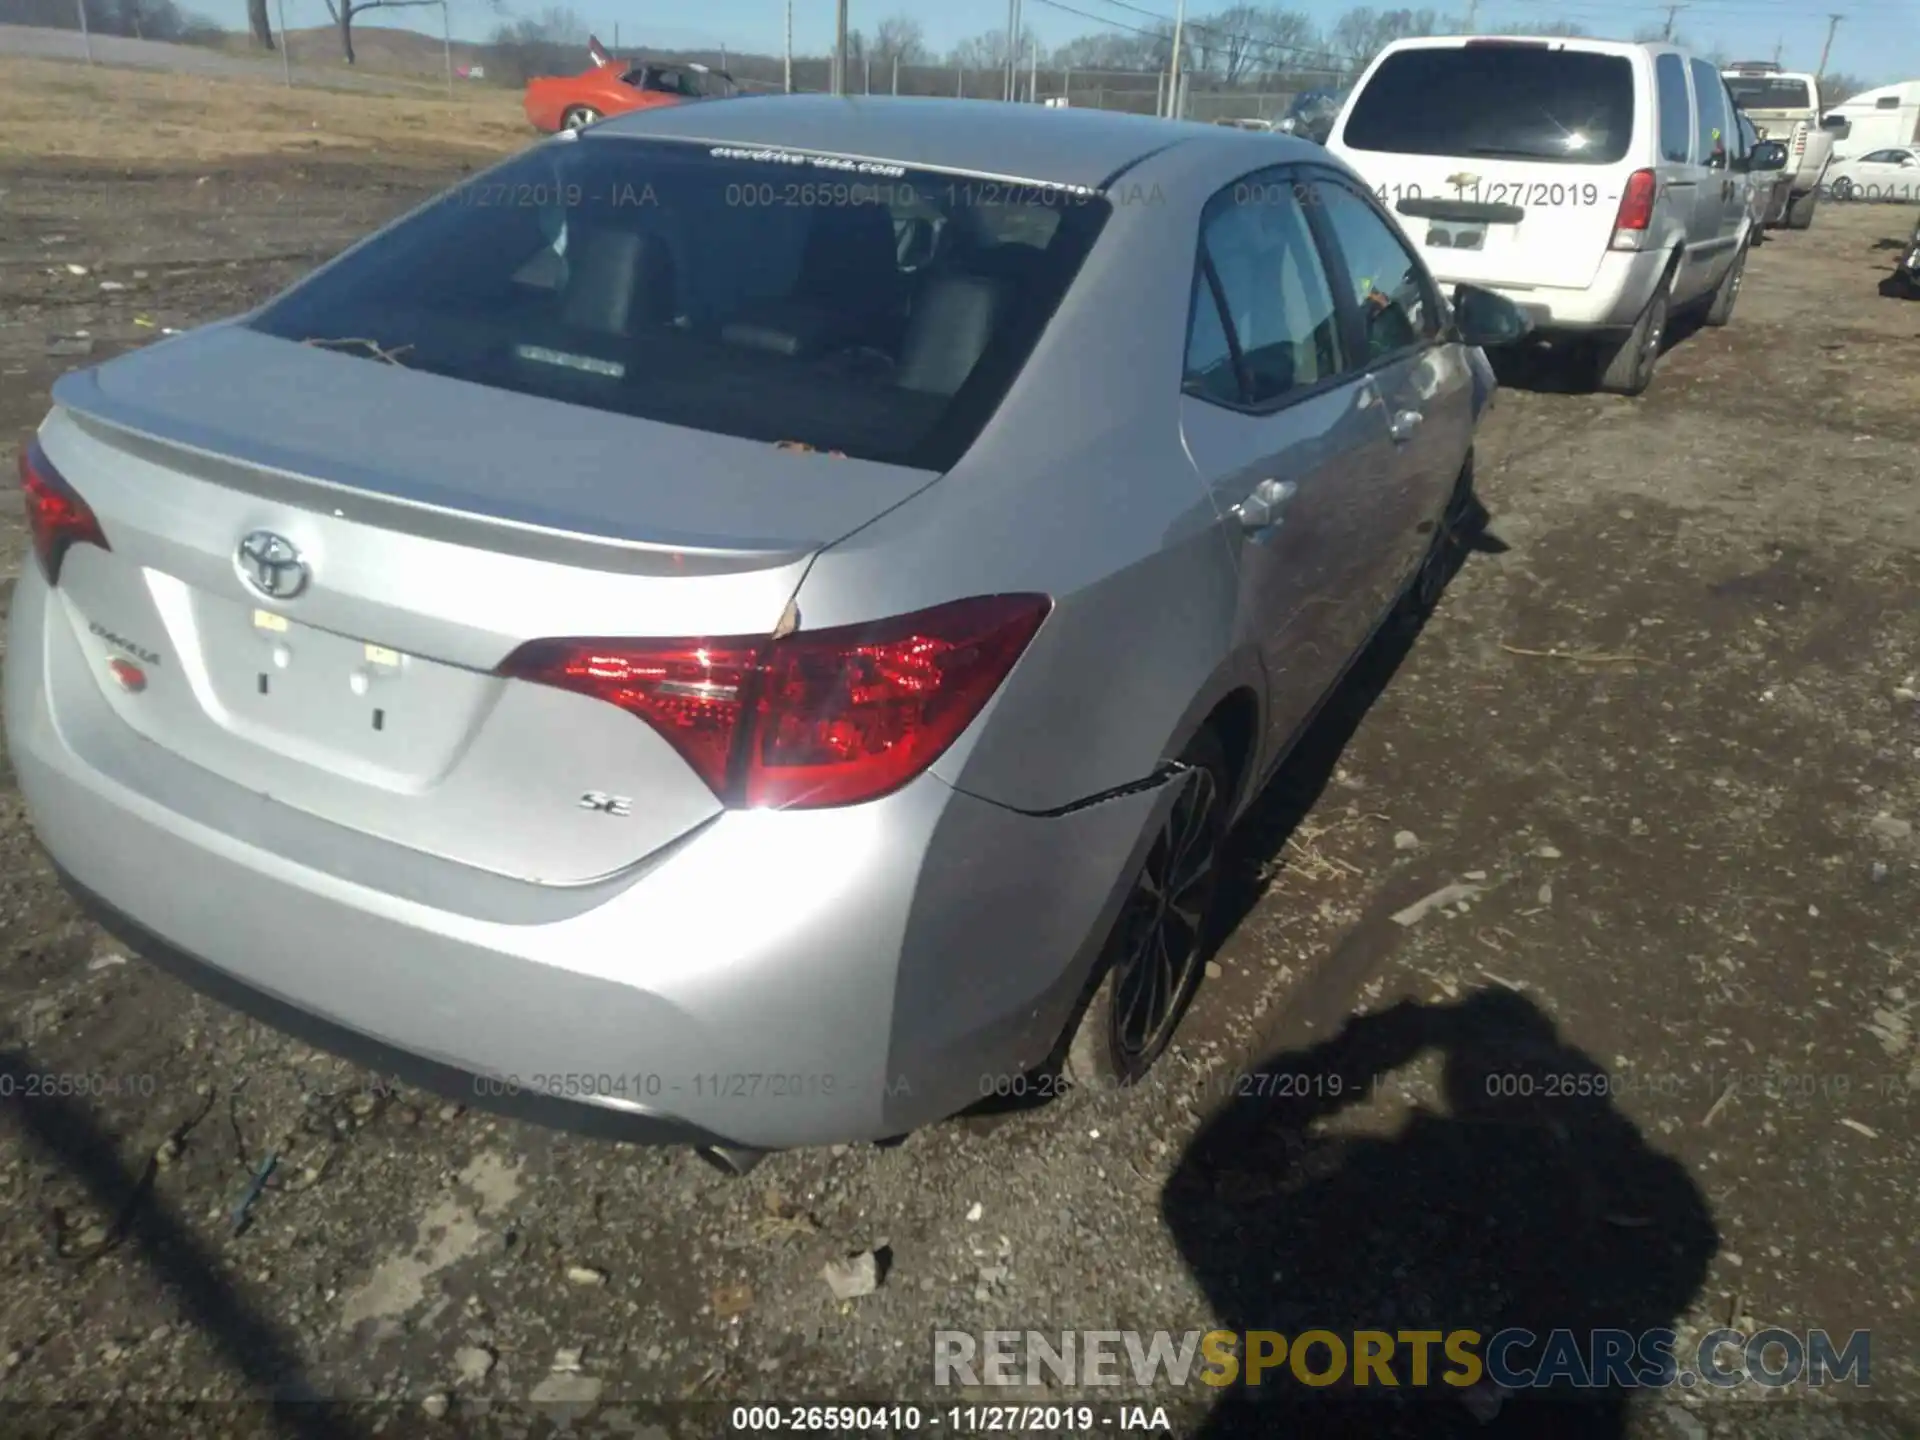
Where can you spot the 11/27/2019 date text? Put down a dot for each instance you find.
(952, 1419)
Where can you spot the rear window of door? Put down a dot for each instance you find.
(1392, 297)
(1676, 109)
(1710, 110)
(1497, 101)
(1265, 325)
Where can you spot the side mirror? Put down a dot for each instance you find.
(1486, 318)
(1837, 125)
(1769, 155)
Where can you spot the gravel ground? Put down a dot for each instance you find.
(1659, 1071)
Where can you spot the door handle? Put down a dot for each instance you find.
(1405, 426)
(1263, 505)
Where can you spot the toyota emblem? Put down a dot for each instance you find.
(271, 565)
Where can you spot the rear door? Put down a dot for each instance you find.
(1291, 437)
(1719, 202)
(1504, 161)
(1424, 387)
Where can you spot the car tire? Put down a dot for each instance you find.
(578, 117)
(1625, 367)
(1800, 210)
(1843, 189)
(1144, 987)
(1720, 309)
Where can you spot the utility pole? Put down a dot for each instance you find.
(1473, 13)
(1833, 24)
(86, 36)
(1013, 20)
(866, 80)
(840, 49)
(789, 47)
(1033, 81)
(446, 42)
(896, 73)
(286, 58)
(1173, 85)
(1672, 10)
(1778, 46)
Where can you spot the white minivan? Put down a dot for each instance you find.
(1599, 185)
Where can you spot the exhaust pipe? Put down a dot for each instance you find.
(733, 1160)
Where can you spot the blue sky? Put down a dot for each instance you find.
(1879, 40)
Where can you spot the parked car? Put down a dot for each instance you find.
(1767, 191)
(678, 667)
(1906, 275)
(1311, 115)
(1879, 175)
(1785, 105)
(615, 87)
(1590, 181)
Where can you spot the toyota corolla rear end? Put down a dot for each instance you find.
(421, 661)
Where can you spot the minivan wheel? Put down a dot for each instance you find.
(1626, 366)
(1727, 291)
(1157, 951)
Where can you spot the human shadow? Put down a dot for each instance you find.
(1523, 1198)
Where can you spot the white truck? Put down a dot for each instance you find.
(1785, 106)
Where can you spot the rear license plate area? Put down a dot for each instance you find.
(295, 677)
(1456, 235)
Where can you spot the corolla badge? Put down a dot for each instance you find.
(271, 565)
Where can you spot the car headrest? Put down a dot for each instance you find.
(953, 320)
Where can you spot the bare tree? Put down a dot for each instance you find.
(1361, 34)
(988, 50)
(1837, 86)
(343, 13)
(901, 38)
(548, 44)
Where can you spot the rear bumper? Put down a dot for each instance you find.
(773, 979)
(1613, 300)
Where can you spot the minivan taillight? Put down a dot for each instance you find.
(1636, 211)
(813, 719)
(56, 515)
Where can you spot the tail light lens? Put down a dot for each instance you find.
(1636, 210)
(814, 719)
(56, 515)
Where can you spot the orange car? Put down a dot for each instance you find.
(612, 87)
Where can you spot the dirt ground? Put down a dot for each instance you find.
(1665, 720)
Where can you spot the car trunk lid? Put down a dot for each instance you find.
(441, 525)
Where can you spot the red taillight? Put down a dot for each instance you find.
(814, 719)
(56, 515)
(1636, 205)
(691, 691)
(1636, 210)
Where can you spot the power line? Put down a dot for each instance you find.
(1341, 62)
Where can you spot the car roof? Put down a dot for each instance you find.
(1027, 143)
(1586, 43)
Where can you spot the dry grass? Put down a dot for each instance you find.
(65, 111)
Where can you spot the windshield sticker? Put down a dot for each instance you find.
(612, 369)
(818, 162)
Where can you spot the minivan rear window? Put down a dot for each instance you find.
(1769, 92)
(847, 306)
(1511, 102)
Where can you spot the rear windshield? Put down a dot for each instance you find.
(1769, 92)
(1514, 102)
(876, 311)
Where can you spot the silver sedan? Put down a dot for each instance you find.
(748, 625)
